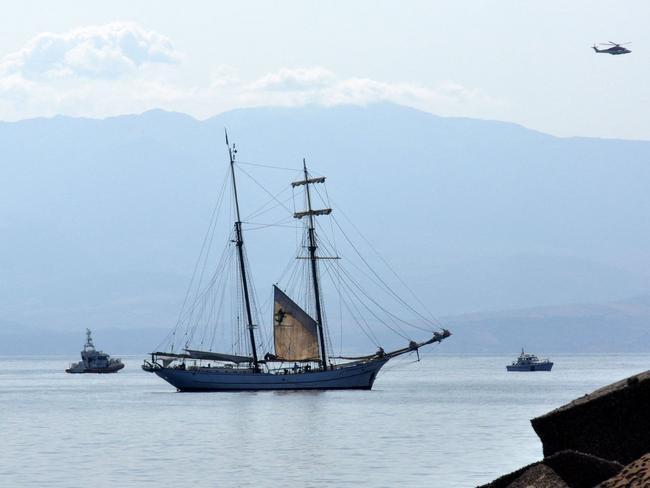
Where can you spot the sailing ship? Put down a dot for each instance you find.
(94, 361)
(300, 360)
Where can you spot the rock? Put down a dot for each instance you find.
(634, 475)
(610, 423)
(574, 469)
(539, 476)
(580, 470)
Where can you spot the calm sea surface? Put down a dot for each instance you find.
(448, 421)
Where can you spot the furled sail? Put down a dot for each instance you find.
(218, 356)
(213, 356)
(295, 332)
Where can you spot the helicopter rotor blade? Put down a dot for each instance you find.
(618, 43)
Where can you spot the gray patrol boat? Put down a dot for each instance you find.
(529, 362)
(94, 361)
(300, 359)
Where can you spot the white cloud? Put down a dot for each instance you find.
(224, 75)
(120, 67)
(295, 79)
(318, 85)
(105, 51)
(364, 91)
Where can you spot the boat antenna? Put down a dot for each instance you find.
(89, 340)
(312, 253)
(239, 242)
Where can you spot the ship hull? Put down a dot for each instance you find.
(354, 377)
(531, 367)
(110, 369)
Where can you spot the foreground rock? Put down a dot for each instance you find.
(611, 423)
(564, 469)
(634, 475)
(587, 442)
(539, 476)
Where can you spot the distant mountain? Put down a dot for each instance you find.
(101, 220)
(31, 341)
(622, 326)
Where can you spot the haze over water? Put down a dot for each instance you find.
(449, 421)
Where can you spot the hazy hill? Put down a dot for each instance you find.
(622, 326)
(101, 220)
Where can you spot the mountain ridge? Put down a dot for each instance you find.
(565, 329)
(477, 215)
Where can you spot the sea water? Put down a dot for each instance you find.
(447, 421)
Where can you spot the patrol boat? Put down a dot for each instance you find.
(94, 361)
(529, 362)
(300, 359)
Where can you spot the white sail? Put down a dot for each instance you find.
(295, 333)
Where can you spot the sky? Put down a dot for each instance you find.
(527, 62)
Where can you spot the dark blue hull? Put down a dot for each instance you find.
(353, 377)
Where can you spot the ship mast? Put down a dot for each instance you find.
(312, 253)
(89, 340)
(239, 242)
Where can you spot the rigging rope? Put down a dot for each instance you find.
(170, 338)
(432, 319)
(275, 198)
(260, 165)
(387, 287)
(265, 190)
(367, 329)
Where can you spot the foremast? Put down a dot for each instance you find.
(239, 243)
(313, 258)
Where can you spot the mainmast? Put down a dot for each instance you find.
(239, 242)
(312, 253)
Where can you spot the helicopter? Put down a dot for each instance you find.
(614, 48)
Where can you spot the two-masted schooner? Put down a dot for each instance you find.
(300, 360)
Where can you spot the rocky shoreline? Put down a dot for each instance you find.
(599, 440)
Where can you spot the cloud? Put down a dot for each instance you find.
(96, 52)
(117, 68)
(295, 79)
(317, 85)
(224, 75)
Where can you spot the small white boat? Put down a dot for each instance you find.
(529, 362)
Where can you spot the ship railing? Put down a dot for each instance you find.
(150, 366)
